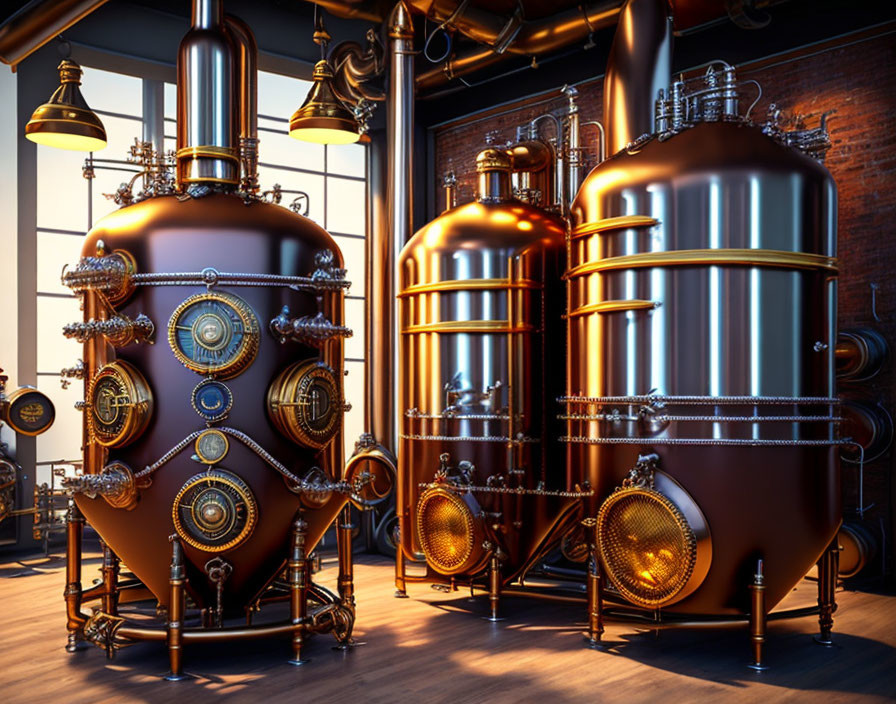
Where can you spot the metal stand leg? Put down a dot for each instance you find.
(595, 596)
(298, 589)
(494, 588)
(111, 570)
(757, 618)
(828, 569)
(176, 609)
(74, 528)
(401, 587)
(346, 583)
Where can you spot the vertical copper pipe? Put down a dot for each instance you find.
(74, 527)
(95, 356)
(346, 583)
(176, 608)
(639, 67)
(595, 591)
(247, 90)
(298, 589)
(758, 616)
(828, 568)
(401, 586)
(110, 571)
(494, 588)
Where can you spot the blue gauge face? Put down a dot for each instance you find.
(212, 400)
(214, 333)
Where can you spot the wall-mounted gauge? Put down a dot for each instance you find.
(211, 447)
(215, 511)
(28, 411)
(305, 404)
(119, 404)
(214, 333)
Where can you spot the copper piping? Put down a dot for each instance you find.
(247, 90)
(536, 37)
(37, 23)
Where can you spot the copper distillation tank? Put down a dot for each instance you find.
(481, 491)
(213, 368)
(700, 399)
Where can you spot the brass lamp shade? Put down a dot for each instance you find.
(323, 118)
(66, 121)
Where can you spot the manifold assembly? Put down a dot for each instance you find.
(203, 304)
(690, 461)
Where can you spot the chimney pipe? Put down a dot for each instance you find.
(206, 132)
(639, 66)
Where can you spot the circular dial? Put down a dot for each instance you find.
(212, 446)
(212, 400)
(119, 403)
(214, 333)
(30, 412)
(305, 404)
(214, 511)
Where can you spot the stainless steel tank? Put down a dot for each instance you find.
(480, 478)
(702, 323)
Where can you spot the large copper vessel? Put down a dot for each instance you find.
(702, 325)
(480, 480)
(213, 372)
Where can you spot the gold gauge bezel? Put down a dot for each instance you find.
(248, 346)
(138, 408)
(238, 486)
(127, 285)
(14, 397)
(289, 409)
(205, 459)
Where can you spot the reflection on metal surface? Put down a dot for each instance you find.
(450, 533)
(614, 307)
(622, 222)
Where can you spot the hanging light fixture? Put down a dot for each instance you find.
(66, 121)
(323, 118)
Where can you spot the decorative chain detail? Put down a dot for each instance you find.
(700, 441)
(519, 491)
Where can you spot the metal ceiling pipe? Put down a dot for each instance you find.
(37, 23)
(639, 66)
(532, 38)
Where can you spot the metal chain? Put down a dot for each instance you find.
(699, 441)
(507, 490)
(703, 419)
(707, 400)
(467, 438)
(229, 279)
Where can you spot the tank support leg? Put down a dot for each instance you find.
(595, 594)
(757, 619)
(74, 528)
(828, 569)
(298, 589)
(346, 568)
(401, 587)
(346, 583)
(111, 570)
(176, 608)
(494, 588)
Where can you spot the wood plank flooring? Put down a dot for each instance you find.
(433, 647)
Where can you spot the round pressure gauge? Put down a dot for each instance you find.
(214, 511)
(30, 412)
(214, 333)
(305, 404)
(119, 403)
(211, 446)
(212, 400)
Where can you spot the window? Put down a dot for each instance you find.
(334, 177)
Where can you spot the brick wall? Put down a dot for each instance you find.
(856, 76)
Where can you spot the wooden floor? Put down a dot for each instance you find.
(433, 647)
